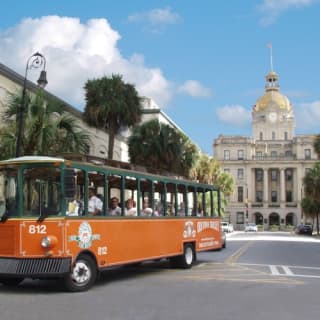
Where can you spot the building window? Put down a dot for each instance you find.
(259, 175)
(240, 194)
(240, 154)
(273, 135)
(259, 196)
(259, 155)
(289, 196)
(274, 175)
(240, 173)
(286, 135)
(307, 154)
(274, 197)
(273, 155)
(288, 174)
(261, 136)
(226, 170)
(226, 154)
(288, 154)
(240, 217)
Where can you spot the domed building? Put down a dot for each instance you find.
(268, 167)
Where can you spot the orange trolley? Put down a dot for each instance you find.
(47, 231)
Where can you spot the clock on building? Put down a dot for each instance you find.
(272, 116)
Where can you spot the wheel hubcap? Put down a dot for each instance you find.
(81, 273)
(189, 255)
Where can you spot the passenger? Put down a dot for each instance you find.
(131, 207)
(114, 209)
(94, 204)
(199, 210)
(146, 210)
(182, 210)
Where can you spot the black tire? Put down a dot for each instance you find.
(10, 282)
(83, 274)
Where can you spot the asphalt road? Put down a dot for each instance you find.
(258, 276)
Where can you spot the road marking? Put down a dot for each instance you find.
(234, 257)
(287, 271)
(274, 271)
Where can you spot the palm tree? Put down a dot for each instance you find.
(310, 207)
(111, 105)
(312, 189)
(160, 147)
(208, 170)
(48, 129)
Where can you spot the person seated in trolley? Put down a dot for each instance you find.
(130, 209)
(146, 210)
(114, 209)
(94, 203)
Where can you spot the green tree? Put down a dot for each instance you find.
(312, 191)
(48, 129)
(160, 147)
(310, 207)
(208, 170)
(111, 105)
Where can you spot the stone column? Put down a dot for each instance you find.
(282, 185)
(265, 185)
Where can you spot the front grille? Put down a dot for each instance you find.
(34, 266)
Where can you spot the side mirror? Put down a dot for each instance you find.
(69, 183)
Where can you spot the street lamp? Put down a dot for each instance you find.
(37, 60)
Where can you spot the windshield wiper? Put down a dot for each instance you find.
(42, 217)
(4, 217)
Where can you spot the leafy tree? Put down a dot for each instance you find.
(312, 190)
(111, 105)
(160, 147)
(48, 129)
(310, 207)
(208, 170)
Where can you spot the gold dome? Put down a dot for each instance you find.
(273, 97)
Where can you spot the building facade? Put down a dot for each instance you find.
(268, 167)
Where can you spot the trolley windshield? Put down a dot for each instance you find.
(39, 192)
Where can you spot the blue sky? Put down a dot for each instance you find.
(203, 62)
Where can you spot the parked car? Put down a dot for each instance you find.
(251, 227)
(226, 226)
(304, 229)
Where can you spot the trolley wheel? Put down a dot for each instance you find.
(186, 260)
(11, 281)
(83, 274)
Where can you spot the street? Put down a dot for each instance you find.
(258, 276)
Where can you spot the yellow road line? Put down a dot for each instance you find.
(234, 257)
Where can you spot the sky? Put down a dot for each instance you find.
(203, 62)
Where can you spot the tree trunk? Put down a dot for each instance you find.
(111, 144)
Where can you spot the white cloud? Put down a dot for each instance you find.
(234, 115)
(308, 116)
(76, 52)
(194, 89)
(271, 9)
(156, 18)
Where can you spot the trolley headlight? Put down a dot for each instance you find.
(48, 242)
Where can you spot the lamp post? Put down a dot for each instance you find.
(36, 61)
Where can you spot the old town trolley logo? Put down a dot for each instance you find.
(189, 230)
(85, 236)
